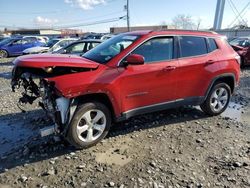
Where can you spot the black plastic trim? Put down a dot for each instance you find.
(161, 106)
(217, 78)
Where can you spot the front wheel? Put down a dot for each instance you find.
(217, 99)
(89, 125)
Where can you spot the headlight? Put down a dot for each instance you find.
(48, 69)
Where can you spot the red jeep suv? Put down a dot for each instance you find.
(130, 74)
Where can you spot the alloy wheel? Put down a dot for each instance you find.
(3, 54)
(91, 125)
(219, 99)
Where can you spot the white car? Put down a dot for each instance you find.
(42, 39)
(52, 45)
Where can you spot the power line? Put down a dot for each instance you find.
(242, 11)
(232, 8)
(236, 12)
(80, 20)
(73, 25)
(91, 18)
(90, 23)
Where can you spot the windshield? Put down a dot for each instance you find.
(6, 41)
(51, 43)
(110, 48)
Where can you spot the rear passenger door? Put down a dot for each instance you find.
(196, 65)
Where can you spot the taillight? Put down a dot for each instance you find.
(238, 59)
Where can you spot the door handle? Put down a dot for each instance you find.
(169, 68)
(209, 62)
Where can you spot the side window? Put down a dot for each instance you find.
(19, 41)
(28, 40)
(25, 41)
(62, 43)
(192, 46)
(77, 48)
(212, 45)
(94, 44)
(157, 49)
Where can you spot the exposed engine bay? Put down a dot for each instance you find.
(35, 86)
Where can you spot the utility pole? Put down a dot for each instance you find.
(219, 14)
(128, 17)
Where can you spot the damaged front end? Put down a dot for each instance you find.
(35, 85)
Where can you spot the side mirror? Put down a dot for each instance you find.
(135, 59)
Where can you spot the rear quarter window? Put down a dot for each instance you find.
(192, 46)
(212, 44)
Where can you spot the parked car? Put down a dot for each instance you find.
(79, 47)
(242, 47)
(241, 41)
(42, 39)
(97, 36)
(3, 37)
(106, 37)
(130, 74)
(52, 45)
(15, 46)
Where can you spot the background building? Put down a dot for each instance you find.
(46, 32)
(116, 30)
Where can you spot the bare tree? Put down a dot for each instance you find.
(199, 20)
(241, 24)
(182, 21)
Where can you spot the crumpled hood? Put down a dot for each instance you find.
(36, 49)
(240, 50)
(54, 60)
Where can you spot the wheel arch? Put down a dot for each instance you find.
(98, 97)
(228, 78)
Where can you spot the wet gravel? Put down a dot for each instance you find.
(174, 148)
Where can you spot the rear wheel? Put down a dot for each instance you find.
(89, 125)
(217, 99)
(3, 54)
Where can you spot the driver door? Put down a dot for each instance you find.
(152, 84)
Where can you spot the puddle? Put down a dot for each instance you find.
(114, 156)
(13, 136)
(235, 111)
(6, 75)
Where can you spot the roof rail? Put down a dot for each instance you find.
(205, 31)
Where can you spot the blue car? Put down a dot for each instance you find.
(16, 46)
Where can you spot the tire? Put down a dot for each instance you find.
(217, 100)
(84, 131)
(3, 54)
(242, 62)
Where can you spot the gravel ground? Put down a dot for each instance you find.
(174, 148)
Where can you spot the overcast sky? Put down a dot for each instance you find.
(57, 13)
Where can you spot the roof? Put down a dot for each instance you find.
(176, 32)
(90, 40)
